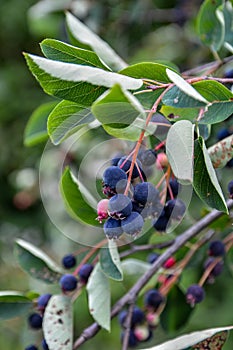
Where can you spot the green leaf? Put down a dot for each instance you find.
(117, 108)
(217, 112)
(171, 318)
(66, 119)
(179, 113)
(179, 149)
(190, 339)
(99, 297)
(35, 262)
(110, 261)
(148, 97)
(213, 91)
(174, 97)
(210, 24)
(59, 51)
(84, 35)
(184, 86)
(205, 181)
(134, 266)
(58, 323)
(227, 10)
(76, 204)
(221, 152)
(36, 128)
(148, 70)
(13, 304)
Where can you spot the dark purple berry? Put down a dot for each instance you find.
(153, 299)
(230, 163)
(116, 159)
(112, 228)
(111, 176)
(68, 283)
(175, 209)
(120, 206)
(69, 261)
(133, 224)
(84, 272)
(161, 128)
(132, 338)
(148, 157)
(161, 223)
(217, 269)
(222, 134)
(229, 73)
(230, 188)
(44, 345)
(217, 248)
(31, 347)
(125, 165)
(42, 301)
(152, 257)
(145, 193)
(174, 185)
(138, 317)
(195, 294)
(35, 321)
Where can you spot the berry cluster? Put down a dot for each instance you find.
(131, 201)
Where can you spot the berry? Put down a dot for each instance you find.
(85, 272)
(69, 261)
(31, 347)
(102, 210)
(216, 248)
(174, 185)
(68, 282)
(138, 317)
(195, 294)
(35, 321)
(153, 299)
(44, 345)
(42, 301)
(132, 338)
(143, 333)
(152, 257)
(229, 73)
(222, 134)
(175, 209)
(133, 224)
(160, 119)
(125, 165)
(112, 228)
(161, 161)
(116, 159)
(230, 188)
(111, 176)
(216, 271)
(145, 193)
(169, 262)
(152, 319)
(161, 223)
(120, 206)
(230, 163)
(148, 157)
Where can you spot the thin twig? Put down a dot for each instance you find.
(127, 327)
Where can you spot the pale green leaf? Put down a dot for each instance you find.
(110, 261)
(221, 152)
(13, 304)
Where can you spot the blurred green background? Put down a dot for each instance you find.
(138, 30)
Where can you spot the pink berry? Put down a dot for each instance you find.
(141, 332)
(169, 263)
(102, 210)
(161, 161)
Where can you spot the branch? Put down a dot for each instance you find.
(130, 296)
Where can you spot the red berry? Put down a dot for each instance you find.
(102, 210)
(169, 263)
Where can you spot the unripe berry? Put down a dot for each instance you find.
(217, 248)
(85, 272)
(170, 262)
(143, 333)
(102, 210)
(152, 319)
(161, 161)
(68, 283)
(195, 294)
(69, 261)
(35, 321)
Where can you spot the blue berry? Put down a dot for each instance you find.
(230, 163)
(133, 224)
(120, 206)
(148, 157)
(35, 321)
(229, 73)
(145, 193)
(68, 282)
(111, 176)
(230, 188)
(116, 159)
(161, 223)
(138, 317)
(112, 228)
(153, 299)
(122, 317)
(84, 272)
(69, 261)
(222, 134)
(217, 248)
(195, 294)
(132, 338)
(31, 347)
(175, 209)
(44, 345)
(161, 129)
(217, 270)
(174, 184)
(152, 257)
(125, 164)
(42, 301)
